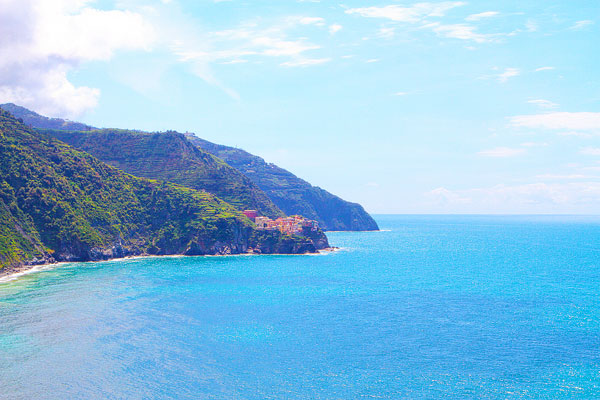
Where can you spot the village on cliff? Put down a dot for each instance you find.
(292, 225)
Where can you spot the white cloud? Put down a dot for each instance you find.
(386, 32)
(309, 20)
(531, 26)
(543, 103)
(544, 69)
(502, 152)
(477, 17)
(562, 177)
(421, 13)
(335, 28)
(503, 76)
(279, 47)
(458, 31)
(305, 62)
(534, 144)
(590, 151)
(86, 36)
(400, 93)
(41, 41)
(576, 134)
(581, 24)
(250, 41)
(235, 61)
(508, 73)
(570, 121)
(413, 14)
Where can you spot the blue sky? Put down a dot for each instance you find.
(405, 107)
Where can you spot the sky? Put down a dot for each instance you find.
(404, 107)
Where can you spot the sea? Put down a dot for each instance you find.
(430, 307)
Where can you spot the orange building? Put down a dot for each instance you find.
(292, 225)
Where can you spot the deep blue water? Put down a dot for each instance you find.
(432, 307)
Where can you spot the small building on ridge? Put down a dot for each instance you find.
(251, 214)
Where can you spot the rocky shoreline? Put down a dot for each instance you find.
(246, 241)
(14, 272)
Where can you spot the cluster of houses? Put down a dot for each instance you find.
(292, 225)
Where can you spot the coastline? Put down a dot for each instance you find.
(12, 273)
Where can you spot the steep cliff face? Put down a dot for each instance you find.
(60, 204)
(170, 157)
(274, 242)
(292, 194)
(318, 238)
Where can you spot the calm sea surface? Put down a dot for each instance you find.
(432, 307)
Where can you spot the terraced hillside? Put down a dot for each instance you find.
(170, 157)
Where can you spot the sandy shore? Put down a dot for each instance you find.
(10, 274)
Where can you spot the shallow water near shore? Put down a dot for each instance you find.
(430, 307)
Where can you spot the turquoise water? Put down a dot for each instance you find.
(432, 307)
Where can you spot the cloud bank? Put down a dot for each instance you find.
(576, 121)
(42, 41)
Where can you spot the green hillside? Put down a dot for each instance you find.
(59, 204)
(285, 191)
(171, 157)
(292, 194)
